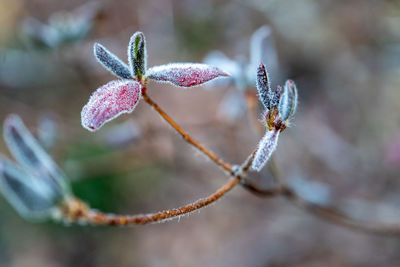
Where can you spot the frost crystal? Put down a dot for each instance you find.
(137, 54)
(265, 149)
(110, 101)
(185, 74)
(111, 62)
(263, 86)
(221, 61)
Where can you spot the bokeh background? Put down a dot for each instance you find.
(344, 146)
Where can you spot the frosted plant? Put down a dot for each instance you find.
(280, 106)
(37, 186)
(122, 96)
(38, 189)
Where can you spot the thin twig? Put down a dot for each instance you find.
(330, 214)
(75, 210)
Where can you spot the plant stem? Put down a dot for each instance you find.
(226, 166)
(75, 210)
(328, 213)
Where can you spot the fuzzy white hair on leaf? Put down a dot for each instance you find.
(111, 62)
(263, 86)
(288, 102)
(137, 55)
(109, 101)
(185, 74)
(265, 149)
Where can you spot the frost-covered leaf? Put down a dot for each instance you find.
(31, 156)
(263, 86)
(33, 198)
(276, 96)
(185, 74)
(262, 48)
(265, 149)
(288, 102)
(137, 55)
(111, 62)
(110, 101)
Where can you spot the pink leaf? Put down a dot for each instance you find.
(110, 101)
(265, 149)
(185, 74)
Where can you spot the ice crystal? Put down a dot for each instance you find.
(137, 54)
(263, 86)
(280, 106)
(185, 74)
(265, 149)
(288, 101)
(110, 101)
(111, 62)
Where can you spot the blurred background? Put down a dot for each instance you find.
(343, 148)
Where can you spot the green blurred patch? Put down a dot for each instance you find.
(115, 191)
(197, 35)
(85, 151)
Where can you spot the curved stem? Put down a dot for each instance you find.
(226, 166)
(328, 213)
(75, 210)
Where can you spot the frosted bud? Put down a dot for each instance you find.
(263, 86)
(137, 55)
(288, 102)
(111, 62)
(185, 74)
(110, 101)
(265, 149)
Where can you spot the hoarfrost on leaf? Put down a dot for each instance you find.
(221, 61)
(263, 86)
(185, 74)
(111, 62)
(110, 101)
(137, 55)
(265, 149)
